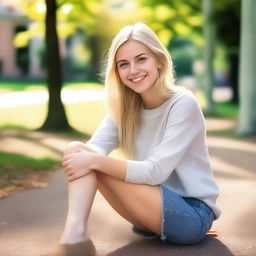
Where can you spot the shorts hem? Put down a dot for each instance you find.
(146, 234)
(162, 237)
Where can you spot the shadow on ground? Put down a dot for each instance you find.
(210, 246)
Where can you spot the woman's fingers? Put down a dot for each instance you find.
(76, 175)
(70, 173)
(66, 165)
(66, 159)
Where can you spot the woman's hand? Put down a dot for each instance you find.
(78, 164)
(76, 146)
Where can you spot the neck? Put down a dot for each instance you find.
(153, 101)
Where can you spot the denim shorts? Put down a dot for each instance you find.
(185, 220)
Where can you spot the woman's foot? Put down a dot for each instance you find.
(85, 248)
(75, 231)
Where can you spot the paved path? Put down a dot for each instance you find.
(32, 220)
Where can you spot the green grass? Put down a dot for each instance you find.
(224, 110)
(24, 161)
(226, 133)
(84, 117)
(227, 109)
(13, 166)
(83, 85)
(16, 86)
(27, 117)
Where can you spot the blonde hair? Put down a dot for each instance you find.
(123, 103)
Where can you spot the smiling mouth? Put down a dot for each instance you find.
(137, 79)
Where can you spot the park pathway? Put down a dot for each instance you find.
(32, 220)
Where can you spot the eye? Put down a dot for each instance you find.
(141, 59)
(122, 65)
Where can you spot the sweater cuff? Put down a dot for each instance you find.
(138, 172)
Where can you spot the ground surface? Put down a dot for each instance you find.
(32, 220)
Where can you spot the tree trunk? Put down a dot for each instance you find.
(56, 119)
(96, 57)
(209, 35)
(247, 79)
(234, 63)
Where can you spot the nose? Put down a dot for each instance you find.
(133, 68)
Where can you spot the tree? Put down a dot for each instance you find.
(247, 80)
(56, 118)
(209, 35)
(227, 20)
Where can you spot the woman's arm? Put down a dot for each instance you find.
(111, 166)
(105, 138)
(81, 163)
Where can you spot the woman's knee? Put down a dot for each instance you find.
(73, 147)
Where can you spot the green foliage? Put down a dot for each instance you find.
(171, 18)
(105, 17)
(183, 53)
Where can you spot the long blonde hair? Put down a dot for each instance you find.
(123, 103)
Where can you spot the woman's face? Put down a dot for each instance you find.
(137, 67)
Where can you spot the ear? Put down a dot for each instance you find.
(159, 65)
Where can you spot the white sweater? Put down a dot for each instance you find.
(170, 149)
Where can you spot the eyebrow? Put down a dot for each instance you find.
(137, 56)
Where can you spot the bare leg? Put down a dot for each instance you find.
(75, 239)
(81, 194)
(139, 204)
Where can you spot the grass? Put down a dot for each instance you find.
(228, 110)
(225, 110)
(84, 117)
(27, 117)
(14, 86)
(13, 166)
(17, 86)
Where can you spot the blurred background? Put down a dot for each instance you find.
(52, 54)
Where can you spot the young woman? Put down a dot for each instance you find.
(165, 188)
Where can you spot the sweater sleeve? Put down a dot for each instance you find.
(184, 124)
(105, 138)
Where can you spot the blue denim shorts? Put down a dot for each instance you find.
(185, 220)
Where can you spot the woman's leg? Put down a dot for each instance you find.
(139, 204)
(75, 240)
(81, 194)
